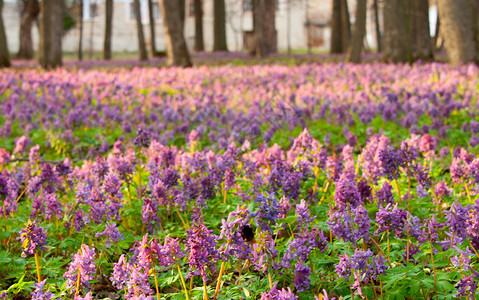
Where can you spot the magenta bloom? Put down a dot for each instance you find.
(82, 268)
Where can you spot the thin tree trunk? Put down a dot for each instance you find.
(260, 49)
(31, 9)
(378, 27)
(176, 49)
(219, 19)
(51, 27)
(182, 13)
(459, 28)
(397, 31)
(422, 30)
(199, 44)
(336, 28)
(139, 28)
(346, 25)
(80, 30)
(108, 29)
(4, 55)
(436, 31)
(356, 45)
(152, 28)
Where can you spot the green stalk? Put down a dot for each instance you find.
(183, 281)
(38, 267)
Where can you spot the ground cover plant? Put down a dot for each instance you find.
(266, 182)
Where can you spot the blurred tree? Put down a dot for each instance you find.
(30, 11)
(422, 42)
(219, 25)
(139, 29)
(151, 17)
(176, 49)
(4, 55)
(459, 25)
(51, 30)
(264, 13)
(108, 29)
(199, 44)
(340, 26)
(377, 26)
(397, 38)
(80, 30)
(356, 45)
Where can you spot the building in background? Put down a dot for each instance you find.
(296, 22)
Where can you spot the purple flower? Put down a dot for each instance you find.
(88, 296)
(142, 138)
(33, 239)
(275, 294)
(4, 157)
(82, 268)
(301, 276)
(441, 189)
(391, 160)
(20, 145)
(149, 214)
(268, 212)
(351, 225)
(456, 220)
(121, 273)
(463, 261)
(457, 169)
(201, 247)
(38, 293)
(466, 287)
(53, 207)
(391, 219)
(385, 194)
(112, 234)
(303, 213)
(230, 179)
(346, 194)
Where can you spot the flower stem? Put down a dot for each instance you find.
(205, 293)
(219, 279)
(156, 283)
(183, 281)
(433, 267)
(38, 267)
(181, 218)
(467, 191)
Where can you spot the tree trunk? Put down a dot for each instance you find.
(31, 9)
(51, 27)
(176, 49)
(264, 12)
(422, 30)
(152, 28)
(199, 44)
(108, 29)
(182, 13)
(80, 30)
(4, 55)
(336, 28)
(139, 29)
(459, 28)
(436, 32)
(378, 27)
(397, 32)
(219, 16)
(345, 25)
(356, 45)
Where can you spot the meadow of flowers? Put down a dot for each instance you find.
(330, 181)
